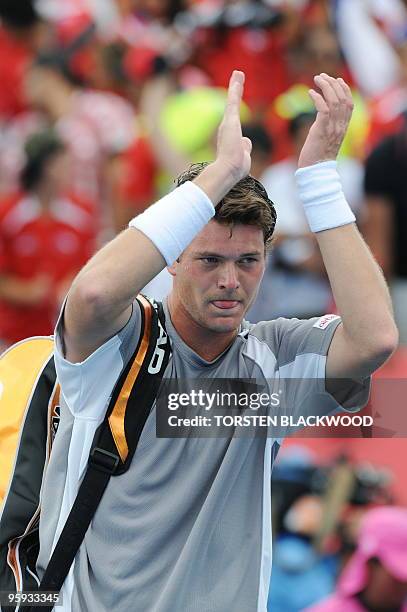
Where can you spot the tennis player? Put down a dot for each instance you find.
(188, 527)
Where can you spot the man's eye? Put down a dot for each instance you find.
(247, 260)
(210, 260)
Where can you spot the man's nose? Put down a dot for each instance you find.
(228, 277)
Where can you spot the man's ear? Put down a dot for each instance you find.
(173, 268)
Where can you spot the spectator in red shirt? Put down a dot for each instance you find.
(254, 35)
(96, 126)
(22, 34)
(46, 236)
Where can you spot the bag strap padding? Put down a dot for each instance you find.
(117, 415)
(20, 369)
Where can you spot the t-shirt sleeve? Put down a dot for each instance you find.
(301, 348)
(86, 386)
(303, 342)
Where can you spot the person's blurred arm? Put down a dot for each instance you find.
(136, 186)
(371, 57)
(25, 292)
(379, 222)
(378, 231)
(155, 93)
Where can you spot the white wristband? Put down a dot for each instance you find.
(174, 221)
(320, 191)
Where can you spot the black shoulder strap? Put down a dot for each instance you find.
(116, 439)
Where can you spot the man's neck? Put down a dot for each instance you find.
(46, 195)
(62, 101)
(206, 343)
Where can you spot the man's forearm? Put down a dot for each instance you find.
(216, 180)
(368, 335)
(359, 288)
(115, 274)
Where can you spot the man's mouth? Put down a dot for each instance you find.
(225, 304)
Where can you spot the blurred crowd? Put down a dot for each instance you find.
(340, 539)
(104, 102)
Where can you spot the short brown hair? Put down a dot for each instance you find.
(247, 203)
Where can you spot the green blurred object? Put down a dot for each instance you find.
(296, 100)
(190, 118)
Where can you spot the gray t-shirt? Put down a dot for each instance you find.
(188, 527)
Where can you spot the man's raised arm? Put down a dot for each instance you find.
(99, 301)
(368, 334)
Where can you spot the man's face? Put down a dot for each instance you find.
(217, 277)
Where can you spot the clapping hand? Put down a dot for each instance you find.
(233, 149)
(334, 107)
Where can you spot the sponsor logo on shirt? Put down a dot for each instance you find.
(324, 321)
